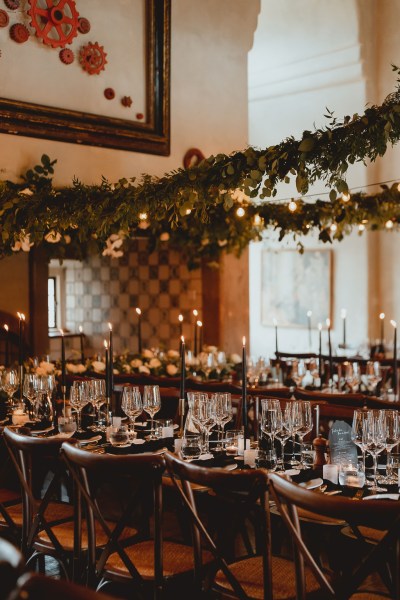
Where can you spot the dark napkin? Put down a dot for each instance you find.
(150, 446)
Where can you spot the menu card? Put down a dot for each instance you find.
(342, 448)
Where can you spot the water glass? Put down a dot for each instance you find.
(307, 455)
(191, 447)
(234, 442)
(119, 436)
(352, 474)
(67, 426)
(266, 459)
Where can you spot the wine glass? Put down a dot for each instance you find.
(374, 441)
(283, 425)
(29, 389)
(131, 404)
(223, 413)
(79, 397)
(357, 430)
(269, 418)
(295, 425)
(151, 405)
(306, 425)
(10, 384)
(373, 375)
(391, 425)
(97, 397)
(204, 412)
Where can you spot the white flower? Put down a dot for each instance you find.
(98, 366)
(148, 353)
(239, 196)
(173, 354)
(211, 348)
(40, 371)
(205, 241)
(72, 368)
(22, 243)
(235, 359)
(81, 368)
(114, 242)
(222, 243)
(26, 192)
(144, 369)
(126, 369)
(164, 237)
(48, 367)
(115, 371)
(53, 237)
(154, 363)
(172, 370)
(136, 363)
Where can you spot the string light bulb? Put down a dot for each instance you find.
(143, 216)
(240, 211)
(292, 206)
(188, 211)
(361, 227)
(389, 224)
(345, 197)
(333, 227)
(257, 220)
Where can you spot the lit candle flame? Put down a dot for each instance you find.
(382, 316)
(393, 323)
(80, 329)
(106, 344)
(244, 341)
(328, 323)
(343, 313)
(320, 326)
(61, 331)
(199, 324)
(139, 312)
(180, 318)
(309, 313)
(110, 326)
(182, 339)
(6, 327)
(195, 312)
(21, 316)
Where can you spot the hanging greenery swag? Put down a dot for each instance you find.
(221, 204)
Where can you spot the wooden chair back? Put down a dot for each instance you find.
(11, 567)
(245, 491)
(378, 514)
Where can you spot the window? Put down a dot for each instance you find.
(52, 302)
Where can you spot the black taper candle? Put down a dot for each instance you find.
(395, 383)
(343, 314)
(181, 405)
(21, 338)
(63, 376)
(244, 392)
(139, 314)
(200, 336)
(7, 354)
(276, 337)
(309, 315)
(195, 314)
(320, 353)
(111, 358)
(107, 360)
(328, 323)
(81, 342)
(382, 319)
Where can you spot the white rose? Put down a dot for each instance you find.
(48, 367)
(53, 237)
(80, 368)
(144, 369)
(115, 371)
(126, 368)
(173, 354)
(67, 239)
(172, 370)
(154, 363)
(26, 192)
(71, 368)
(235, 359)
(22, 243)
(98, 366)
(136, 363)
(40, 371)
(148, 353)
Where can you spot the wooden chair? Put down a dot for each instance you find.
(378, 514)
(11, 567)
(11, 514)
(38, 587)
(243, 496)
(50, 526)
(145, 559)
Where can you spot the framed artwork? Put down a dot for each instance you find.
(293, 284)
(88, 72)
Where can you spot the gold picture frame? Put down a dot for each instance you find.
(152, 136)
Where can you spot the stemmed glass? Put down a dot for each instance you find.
(374, 440)
(30, 389)
(295, 425)
(151, 405)
(306, 424)
(97, 397)
(269, 418)
(357, 430)
(79, 397)
(223, 413)
(391, 425)
(10, 384)
(284, 419)
(373, 375)
(204, 413)
(131, 404)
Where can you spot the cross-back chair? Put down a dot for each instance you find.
(243, 495)
(148, 560)
(378, 514)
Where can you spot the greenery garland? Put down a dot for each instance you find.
(222, 203)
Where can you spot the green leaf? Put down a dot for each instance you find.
(332, 195)
(230, 170)
(306, 145)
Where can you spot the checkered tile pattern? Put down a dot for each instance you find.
(102, 290)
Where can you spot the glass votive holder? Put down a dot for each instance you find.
(119, 436)
(234, 442)
(351, 474)
(191, 447)
(266, 459)
(307, 455)
(167, 428)
(66, 426)
(392, 468)
(330, 473)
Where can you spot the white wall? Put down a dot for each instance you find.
(307, 56)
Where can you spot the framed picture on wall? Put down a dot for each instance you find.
(88, 72)
(293, 284)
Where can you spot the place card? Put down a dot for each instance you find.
(342, 448)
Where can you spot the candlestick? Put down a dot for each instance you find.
(195, 314)
(343, 314)
(382, 319)
(276, 336)
(328, 324)
(139, 314)
(309, 315)
(21, 317)
(320, 352)
(180, 319)
(182, 385)
(107, 360)
(7, 354)
(81, 341)
(200, 336)
(244, 390)
(111, 365)
(395, 385)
